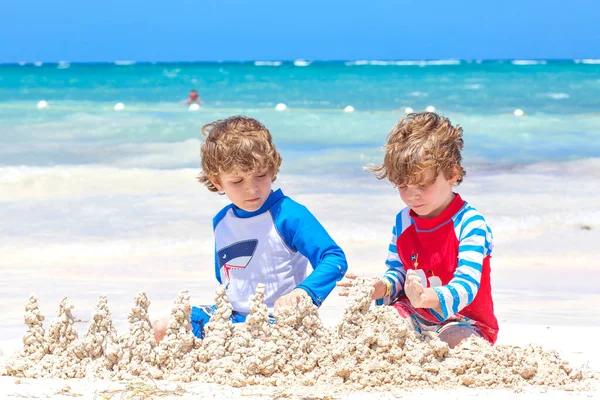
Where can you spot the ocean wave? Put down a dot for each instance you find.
(440, 62)
(302, 63)
(88, 202)
(29, 183)
(267, 63)
(558, 96)
(171, 73)
(403, 63)
(586, 167)
(353, 63)
(588, 61)
(158, 155)
(528, 62)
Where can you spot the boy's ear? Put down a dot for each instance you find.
(217, 185)
(454, 176)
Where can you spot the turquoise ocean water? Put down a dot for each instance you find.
(560, 98)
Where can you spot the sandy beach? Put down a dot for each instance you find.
(544, 274)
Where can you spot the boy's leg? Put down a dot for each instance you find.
(160, 328)
(455, 333)
(413, 315)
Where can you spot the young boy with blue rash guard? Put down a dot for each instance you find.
(438, 263)
(263, 236)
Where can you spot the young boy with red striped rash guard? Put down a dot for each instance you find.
(438, 263)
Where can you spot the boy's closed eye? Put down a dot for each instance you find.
(421, 186)
(240, 180)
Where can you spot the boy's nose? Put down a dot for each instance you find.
(252, 188)
(414, 193)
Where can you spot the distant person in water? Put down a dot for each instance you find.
(193, 97)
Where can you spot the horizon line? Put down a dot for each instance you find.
(363, 60)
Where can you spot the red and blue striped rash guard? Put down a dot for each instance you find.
(451, 253)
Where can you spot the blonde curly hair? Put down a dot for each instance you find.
(418, 143)
(236, 144)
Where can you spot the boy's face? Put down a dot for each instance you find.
(247, 191)
(429, 201)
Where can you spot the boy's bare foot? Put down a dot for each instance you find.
(160, 329)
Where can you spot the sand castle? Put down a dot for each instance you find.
(372, 348)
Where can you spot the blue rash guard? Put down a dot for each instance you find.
(273, 246)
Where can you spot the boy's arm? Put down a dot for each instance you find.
(303, 233)
(475, 243)
(396, 273)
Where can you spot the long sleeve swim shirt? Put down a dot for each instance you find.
(274, 246)
(451, 253)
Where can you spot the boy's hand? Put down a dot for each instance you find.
(290, 299)
(413, 287)
(350, 280)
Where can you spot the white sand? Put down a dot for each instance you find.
(545, 268)
(362, 340)
(582, 351)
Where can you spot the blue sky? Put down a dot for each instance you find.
(200, 30)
